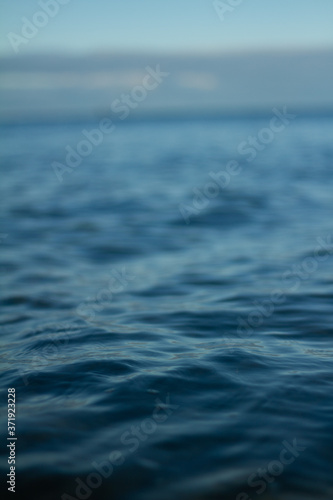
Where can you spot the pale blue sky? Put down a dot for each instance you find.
(171, 25)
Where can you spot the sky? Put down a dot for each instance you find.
(78, 56)
(89, 26)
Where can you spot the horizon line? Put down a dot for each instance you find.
(176, 114)
(171, 53)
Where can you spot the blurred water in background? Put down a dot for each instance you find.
(194, 346)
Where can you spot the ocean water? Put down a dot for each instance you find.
(167, 309)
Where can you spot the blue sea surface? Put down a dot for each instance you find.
(168, 335)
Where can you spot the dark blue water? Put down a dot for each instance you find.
(165, 343)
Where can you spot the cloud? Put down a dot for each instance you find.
(197, 80)
(54, 84)
(25, 80)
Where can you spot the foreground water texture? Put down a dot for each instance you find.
(167, 313)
